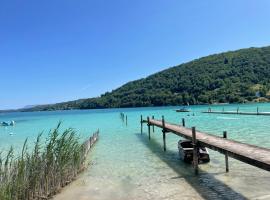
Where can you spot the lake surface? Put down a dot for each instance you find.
(126, 165)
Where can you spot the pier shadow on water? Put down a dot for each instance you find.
(205, 183)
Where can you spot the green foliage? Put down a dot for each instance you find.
(226, 77)
(40, 173)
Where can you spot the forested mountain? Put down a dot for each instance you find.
(235, 76)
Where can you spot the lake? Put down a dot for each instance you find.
(125, 165)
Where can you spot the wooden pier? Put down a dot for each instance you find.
(237, 112)
(250, 154)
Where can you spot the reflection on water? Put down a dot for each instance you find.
(126, 165)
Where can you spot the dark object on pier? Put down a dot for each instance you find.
(250, 154)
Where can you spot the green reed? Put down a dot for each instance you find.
(41, 172)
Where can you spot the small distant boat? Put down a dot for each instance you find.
(4, 124)
(182, 110)
(185, 148)
(12, 123)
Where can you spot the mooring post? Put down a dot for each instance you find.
(141, 124)
(257, 110)
(90, 141)
(183, 122)
(126, 120)
(226, 154)
(153, 125)
(148, 124)
(223, 109)
(164, 133)
(237, 110)
(195, 150)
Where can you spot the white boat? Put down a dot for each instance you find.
(185, 148)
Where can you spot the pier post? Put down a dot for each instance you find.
(195, 151)
(237, 110)
(90, 141)
(257, 110)
(141, 124)
(226, 154)
(148, 124)
(183, 122)
(153, 125)
(223, 109)
(126, 120)
(164, 133)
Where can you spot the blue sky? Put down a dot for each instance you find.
(54, 51)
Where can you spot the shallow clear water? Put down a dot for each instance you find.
(126, 165)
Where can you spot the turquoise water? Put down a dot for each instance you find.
(126, 165)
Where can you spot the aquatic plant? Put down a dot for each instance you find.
(41, 172)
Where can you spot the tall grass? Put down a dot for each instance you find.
(41, 172)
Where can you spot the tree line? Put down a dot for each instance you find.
(230, 77)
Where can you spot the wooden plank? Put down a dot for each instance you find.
(148, 124)
(226, 154)
(91, 141)
(195, 151)
(164, 133)
(250, 154)
(183, 122)
(141, 124)
(153, 125)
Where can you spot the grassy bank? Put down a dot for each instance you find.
(43, 171)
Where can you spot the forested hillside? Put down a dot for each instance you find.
(237, 76)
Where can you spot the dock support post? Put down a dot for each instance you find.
(183, 122)
(226, 154)
(153, 125)
(126, 120)
(148, 124)
(164, 133)
(90, 142)
(237, 110)
(257, 110)
(141, 124)
(195, 151)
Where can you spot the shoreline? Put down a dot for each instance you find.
(213, 104)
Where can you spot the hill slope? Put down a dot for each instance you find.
(235, 76)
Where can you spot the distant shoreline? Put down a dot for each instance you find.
(213, 104)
